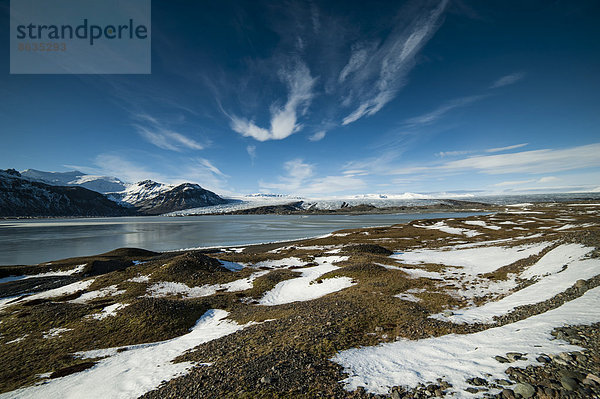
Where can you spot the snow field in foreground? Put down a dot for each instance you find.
(133, 372)
(552, 281)
(70, 272)
(442, 226)
(64, 290)
(473, 260)
(167, 288)
(458, 357)
(306, 287)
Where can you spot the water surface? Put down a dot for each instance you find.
(40, 240)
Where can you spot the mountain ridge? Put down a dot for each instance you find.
(38, 193)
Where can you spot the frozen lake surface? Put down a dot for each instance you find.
(40, 240)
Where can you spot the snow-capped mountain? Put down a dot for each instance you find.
(26, 197)
(145, 197)
(152, 198)
(100, 184)
(183, 196)
(137, 192)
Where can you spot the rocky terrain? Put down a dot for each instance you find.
(504, 305)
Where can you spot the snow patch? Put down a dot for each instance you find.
(552, 283)
(111, 290)
(442, 226)
(140, 279)
(169, 288)
(307, 286)
(109, 311)
(135, 371)
(55, 332)
(56, 292)
(482, 224)
(458, 357)
(472, 260)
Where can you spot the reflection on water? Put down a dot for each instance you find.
(35, 241)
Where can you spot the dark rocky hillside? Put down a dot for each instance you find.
(184, 196)
(21, 197)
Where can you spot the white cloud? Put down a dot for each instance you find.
(510, 147)
(439, 112)
(543, 180)
(390, 63)
(297, 173)
(357, 60)
(453, 153)
(209, 166)
(183, 170)
(318, 136)
(156, 133)
(284, 120)
(514, 182)
(332, 184)
(251, 149)
(508, 80)
(300, 180)
(525, 162)
(249, 129)
(115, 165)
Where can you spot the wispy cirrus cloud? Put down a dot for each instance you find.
(378, 76)
(163, 137)
(251, 150)
(507, 80)
(297, 172)
(507, 148)
(524, 162)
(432, 116)
(300, 179)
(455, 153)
(284, 120)
(133, 167)
(438, 113)
(355, 70)
(545, 179)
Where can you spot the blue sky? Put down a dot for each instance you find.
(331, 98)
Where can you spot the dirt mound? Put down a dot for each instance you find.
(369, 249)
(97, 267)
(190, 267)
(126, 252)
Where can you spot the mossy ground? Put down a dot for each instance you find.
(292, 343)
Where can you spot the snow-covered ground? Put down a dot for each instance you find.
(456, 358)
(557, 270)
(76, 269)
(472, 260)
(110, 310)
(307, 286)
(169, 288)
(64, 290)
(131, 373)
(111, 290)
(481, 223)
(442, 226)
